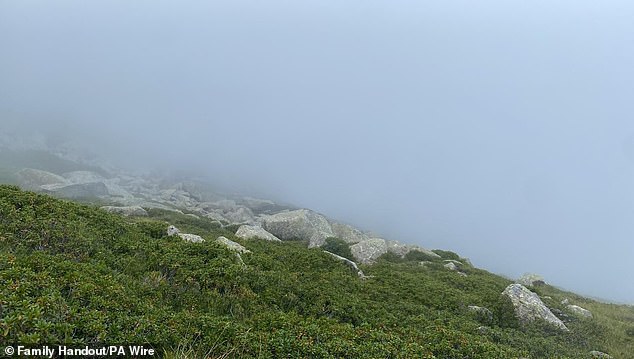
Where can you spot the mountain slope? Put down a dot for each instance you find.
(71, 273)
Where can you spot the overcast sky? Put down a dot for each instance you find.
(501, 130)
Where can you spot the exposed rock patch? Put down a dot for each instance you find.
(300, 224)
(236, 247)
(126, 210)
(528, 306)
(577, 310)
(249, 232)
(369, 250)
(531, 280)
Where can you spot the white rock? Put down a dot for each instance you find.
(369, 250)
(236, 247)
(126, 210)
(249, 232)
(528, 306)
(191, 237)
(300, 224)
(577, 310)
(172, 230)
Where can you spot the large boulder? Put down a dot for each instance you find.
(348, 233)
(529, 308)
(193, 238)
(32, 179)
(402, 250)
(231, 245)
(83, 177)
(300, 224)
(369, 250)
(531, 280)
(577, 310)
(126, 210)
(249, 232)
(78, 190)
(240, 215)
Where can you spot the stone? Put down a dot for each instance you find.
(402, 250)
(348, 233)
(250, 232)
(216, 217)
(127, 211)
(231, 245)
(172, 230)
(240, 215)
(301, 224)
(451, 266)
(531, 280)
(78, 190)
(595, 354)
(577, 310)
(32, 179)
(528, 306)
(350, 264)
(369, 250)
(191, 237)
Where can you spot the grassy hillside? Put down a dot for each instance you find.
(71, 273)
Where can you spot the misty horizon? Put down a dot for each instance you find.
(498, 130)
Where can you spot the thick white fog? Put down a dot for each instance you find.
(501, 130)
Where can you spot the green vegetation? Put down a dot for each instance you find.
(337, 246)
(71, 273)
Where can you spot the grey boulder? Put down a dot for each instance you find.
(577, 310)
(32, 179)
(231, 245)
(126, 210)
(348, 233)
(300, 224)
(369, 250)
(529, 308)
(249, 232)
(531, 280)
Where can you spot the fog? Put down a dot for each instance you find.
(501, 130)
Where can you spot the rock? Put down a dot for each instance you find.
(531, 280)
(577, 310)
(348, 233)
(566, 301)
(172, 230)
(402, 250)
(240, 215)
(191, 237)
(249, 232)
(300, 224)
(32, 179)
(126, 211)
(350, 264)
(216, 217)
(451, 266)
(369, 250)
(528, 306)
(83, 177)
(595, 354)
(236, 247)
(79, 190)
(481, 313)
